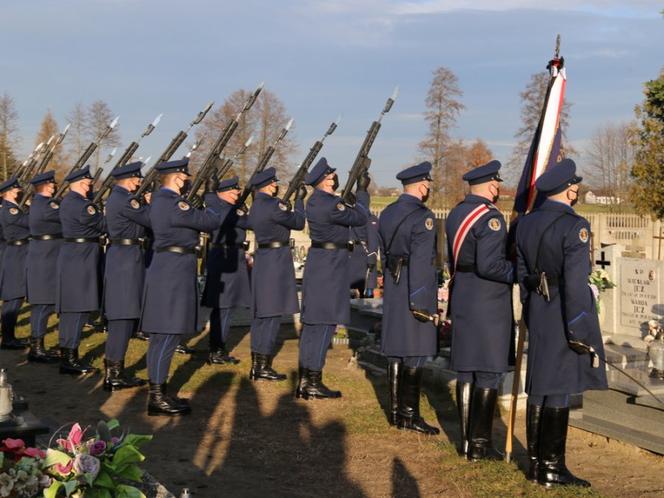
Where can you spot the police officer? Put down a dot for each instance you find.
(481, 306)
(77, 291)
(273, 275)
(564, 335)
(124, 272)
(12, 279)
(410, 302)
(46, 239)
(227, 284)
(363, 257)
(170, 298)
(326, 279)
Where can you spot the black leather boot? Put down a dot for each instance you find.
(140, 335)
(39, 354)
(553, 436)
(409, 403)
(70, 363)
(254, 366)
(219, 356)
(393, 379)
(302, 382)
(464, 392)
(533, 418)
(315, 389)
(482, 410)
(11, 342)
(160, 403)
(184, 349)
(262, 369)
(115, 377)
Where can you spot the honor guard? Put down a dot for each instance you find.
(227, 285)
(326, 282)
(480, 307)
(273, 274)
(77, 288)
(170, 298)
(124, 272)
(564, 338)
(41, 262)
(12, 277)
(363, 257)
(410, 302)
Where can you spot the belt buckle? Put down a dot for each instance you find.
(351, 245)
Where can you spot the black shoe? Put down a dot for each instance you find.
(219, 356)
(464, 392)
(302, 381)
(553, 436)
(480, 427)
(160, 403)
(115, 377)
(393, 378)
(409, 403)
(39, 354)
(70, 363)
(13, 343)
(140, 335)
(533, 418)
(315, 389)
(261, 368)
(182, 349)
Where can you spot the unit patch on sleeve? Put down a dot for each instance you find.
(494, 224)
(341, 206)
(184, 206)
(91, 210)
(13, 211)
(583, 235)
(134, 203)
(428, 223)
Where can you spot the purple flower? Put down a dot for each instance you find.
(87, 464)
(97, 448)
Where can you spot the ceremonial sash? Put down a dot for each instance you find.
(464, 228)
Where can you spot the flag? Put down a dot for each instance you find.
(545, 148)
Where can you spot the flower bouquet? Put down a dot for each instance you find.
(599, 281)
(102, 466)
(21, 475)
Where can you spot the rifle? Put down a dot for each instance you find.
(30, 161)
(124, 159)
(301, 172)
(265, 158)
(85, 156)
(224, 165)
(46, 158)
(148, 182)
(362, 161)
(208, 167)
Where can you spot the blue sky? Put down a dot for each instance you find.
(325, 58)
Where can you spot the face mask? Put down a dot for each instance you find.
(425, 197)
(496, 196)
(335, 185)
(186, 185)
(575, 199)
(276, 191)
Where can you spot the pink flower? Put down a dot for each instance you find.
(34, 453)
(97, 448)
(13, 444)
(64, 470)
(73, 439)
(115, 440)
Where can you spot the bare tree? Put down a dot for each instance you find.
(443, 108)
(610, 159)
(78, 135)
(8, 135)
(532, 102)
(264, 120)
(99, 115)
(48, 128)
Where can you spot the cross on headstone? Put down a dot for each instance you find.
(603, 262)
(659, 243)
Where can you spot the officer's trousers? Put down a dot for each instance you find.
(264, 333)
(483, 380)
(71, 327)
(551, 401)
(119, 333)
(39, 315)
(220, 326)
(9, 316)
(410, 361)
(160, 353)
(314, 342)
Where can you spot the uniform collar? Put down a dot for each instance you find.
(263, 194)
(551, 205)
(168, 191)
(477, 199)
(410, 199)
(118, 188)
(9, 203)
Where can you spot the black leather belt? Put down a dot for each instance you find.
(244, 245)
(177, 249)
(275, 244)
(55, 236)
(19, 242)
(331, 246)
(83, 240)
(125, 242)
